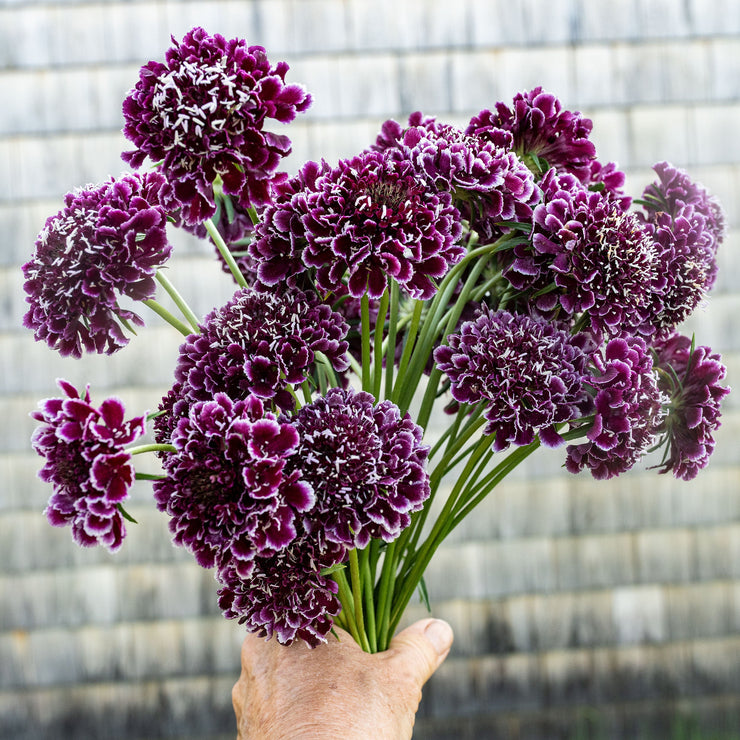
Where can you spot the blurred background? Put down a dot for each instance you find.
(581, 609)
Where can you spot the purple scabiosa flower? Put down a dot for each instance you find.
(106, 244)
(391, 132)
(201, 116)
(685, 269)
(286, 595)
(687, 226)
(542, 129)
(259, 343)
(227, 490)
(677, 194)
(586, 255)
(691, 377)
(491, 182)
(627, 410)
(87, 465)
(528, 373)
(366, 465)
(372, 218)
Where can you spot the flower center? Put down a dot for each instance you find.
(382, 195)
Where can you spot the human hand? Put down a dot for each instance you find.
(336, 690)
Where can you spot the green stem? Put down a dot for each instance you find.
(368, 587)
(354, 570)
(179, 301)
(340, 621)
(430, 395)
(411, 534)
(378, 345)
(408, 347)
(449, 460)
(440, 309)
(385, 590)
(461, 500)
(418, 561)
(252, 211)
(347, 601)
(356, 367)
(452, 433)
(326, 366)
(162, 312)
(478, 450)
(390, 349)
(126, 324)
(409, 379)
(482, 488)
(453, 318)
(153, 447)
(222, 247)
(365, 341)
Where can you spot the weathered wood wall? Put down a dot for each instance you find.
(601, 609)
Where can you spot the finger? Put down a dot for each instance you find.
(422, 647)
(237, 695)
(251, 644)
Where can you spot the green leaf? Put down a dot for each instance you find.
(424, 595)
(126, 515)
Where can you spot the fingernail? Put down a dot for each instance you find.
(439, 633)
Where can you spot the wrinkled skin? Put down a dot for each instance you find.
(336, 690)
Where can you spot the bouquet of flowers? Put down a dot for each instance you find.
(498, 273)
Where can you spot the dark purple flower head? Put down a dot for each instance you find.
(201, 115)
(676, 194)
(86, 463)
(628, 410)
(258, 343)
(528, 374)
(106, 244)
(687, 225)
(366, 465)
(586, 255)
(540, 127)
(227, 490)
(686, 271)
(285, 595)
(391, 132)
(691, 377)
(373, 218)
(491, 182)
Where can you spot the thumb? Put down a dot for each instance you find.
(422, 647)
